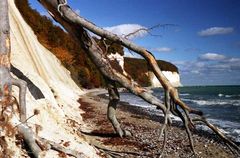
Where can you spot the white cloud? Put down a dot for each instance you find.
(212, 57)
(234, 60)
(216, 31)
(162, 49)
(224, 70)
(204, 64)
(125, 29)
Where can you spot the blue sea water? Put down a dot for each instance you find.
(220, 104)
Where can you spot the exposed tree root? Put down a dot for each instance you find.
(29, 138)
(117, 153)
(55, 146)
(6, 103)
(75, 25)
(38, 145)
(22, 85)
(166, 115)
(164, 143)
(164, 126)
(7, 110)
(111, 112)
(189, 122)
(35, 144)
(232, 146)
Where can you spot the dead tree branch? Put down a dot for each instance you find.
(60, 148)
(203, 121)
(29, 138)
(118, 153)
(75, 25)
(147, 30)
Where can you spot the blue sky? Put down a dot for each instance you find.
(204, 40)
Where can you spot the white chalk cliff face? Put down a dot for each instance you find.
(173, 78)
(60, 92)
(120, 59)
(59, 104)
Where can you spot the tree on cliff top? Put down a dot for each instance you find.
(74, 58)
(76, 26)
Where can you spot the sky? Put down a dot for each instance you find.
(201, 37)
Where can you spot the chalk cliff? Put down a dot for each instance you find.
(59, 94)
(173, 78)
(51, 89)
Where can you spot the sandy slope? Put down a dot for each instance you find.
(61, 93)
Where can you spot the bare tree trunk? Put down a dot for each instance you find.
(112, 105)
(75, 25)
(5, 77)
(100, 59)
(6, 82)
(4, 48)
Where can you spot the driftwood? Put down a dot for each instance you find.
(47, 144)
(76, 26)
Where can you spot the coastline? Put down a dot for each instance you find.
(145, 129)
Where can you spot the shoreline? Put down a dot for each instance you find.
(145, 129)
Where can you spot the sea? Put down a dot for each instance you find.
(220, 105)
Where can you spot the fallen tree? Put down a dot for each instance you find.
(76, 26)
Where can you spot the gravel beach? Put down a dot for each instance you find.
(144, 127)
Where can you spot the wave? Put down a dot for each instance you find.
(225, 124)
(184, 94)
(230, 129)
(136, 101)
(220, 95)
(214, 102)
(228, 96)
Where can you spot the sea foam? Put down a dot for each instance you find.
(234, 102)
